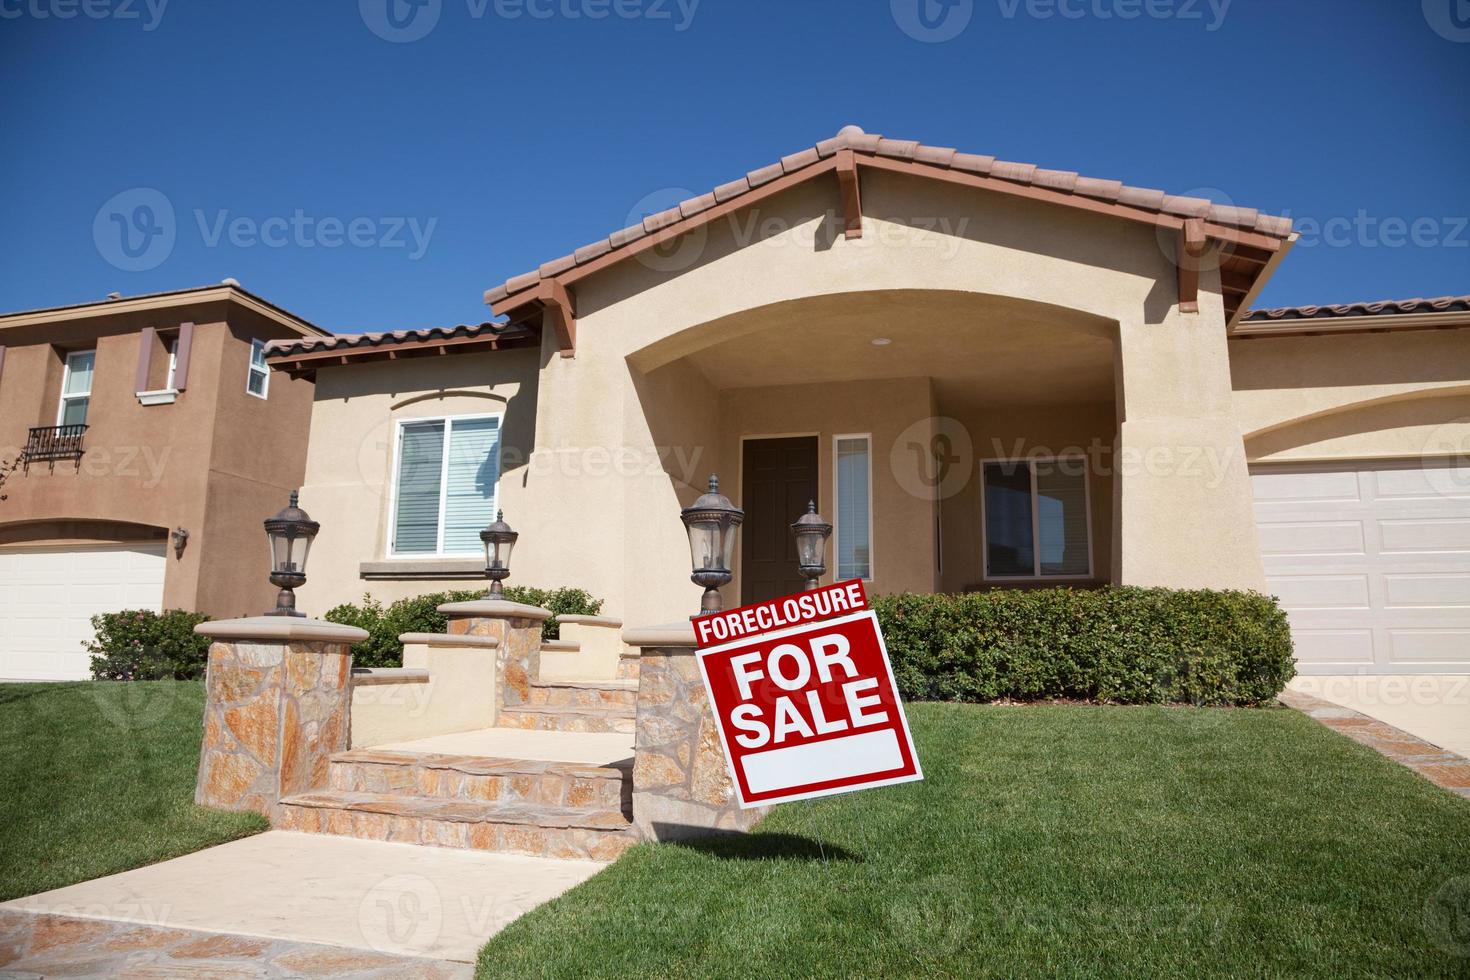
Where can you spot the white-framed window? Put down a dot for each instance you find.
(852, 485)
(446, 477)
(257, 382)
(1036, 518)
(76, 387)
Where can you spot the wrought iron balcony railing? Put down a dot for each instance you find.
(48, 443)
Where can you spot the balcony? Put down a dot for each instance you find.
(48, 443)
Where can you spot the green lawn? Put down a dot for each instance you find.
(1053, 841)
(97, 778)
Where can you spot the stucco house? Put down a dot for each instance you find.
(986, 374)
(150, 439)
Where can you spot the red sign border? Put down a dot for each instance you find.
(820, 788)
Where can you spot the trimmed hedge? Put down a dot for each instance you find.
(420, 614)
(1117, 645)
(142, 645)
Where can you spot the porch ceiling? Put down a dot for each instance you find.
(977, 353)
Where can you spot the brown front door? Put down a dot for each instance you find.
(780, 476)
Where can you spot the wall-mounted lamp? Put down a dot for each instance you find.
(179, 537)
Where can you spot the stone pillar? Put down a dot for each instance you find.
(681, 784)
(517, 628)
(278, 703)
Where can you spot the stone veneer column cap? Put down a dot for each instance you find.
(448, 640)
(579, 620)
(671, 635)
(494, 609)
(281, 628)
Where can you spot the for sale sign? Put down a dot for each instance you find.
(806, 705)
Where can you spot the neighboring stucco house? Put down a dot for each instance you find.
(986, 374)
(153, 442)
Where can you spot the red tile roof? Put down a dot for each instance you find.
(853, 138)
(1388, 307)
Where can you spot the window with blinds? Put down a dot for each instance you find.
(445, 484)
(854, 525)
(1036, 519)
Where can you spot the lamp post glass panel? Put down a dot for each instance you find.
(499, 541)
(711, 522)
(811, 533)
(290, 533)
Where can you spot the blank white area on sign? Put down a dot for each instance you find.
(818, 762)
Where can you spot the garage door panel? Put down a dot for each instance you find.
(1371, 563)
(48, 596)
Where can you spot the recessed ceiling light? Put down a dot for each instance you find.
(881, 341)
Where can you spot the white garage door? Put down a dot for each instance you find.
(1372, 563)
(49, 595)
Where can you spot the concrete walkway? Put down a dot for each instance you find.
(392, 899)
(1433, 707)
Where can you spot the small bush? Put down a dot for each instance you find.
(1119, 645)
(142, 645)
(420, 614)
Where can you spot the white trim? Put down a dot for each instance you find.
(837, 509)
(163, 396)
(264, 371)
(74, 396)
(1036, 575)
(448, 421)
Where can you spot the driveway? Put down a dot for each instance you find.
(1433, 707)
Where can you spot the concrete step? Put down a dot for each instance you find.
(579, 718)
(590, 694)
(509, 827)
(484, 779)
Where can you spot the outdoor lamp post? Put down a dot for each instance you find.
(811, 533)
(499, 541)
(290, 533)
(711, 523)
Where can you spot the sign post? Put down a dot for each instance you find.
(804, 698)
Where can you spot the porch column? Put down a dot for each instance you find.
(1182, 490)
(681, 784)
(278, 702)
(517, 629)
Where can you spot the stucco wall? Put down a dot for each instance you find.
(1353, 396)
(349, 462)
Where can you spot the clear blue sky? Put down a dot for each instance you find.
(520, 137)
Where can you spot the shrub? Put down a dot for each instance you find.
(420, 614)
(142, 645)
(1117, 645)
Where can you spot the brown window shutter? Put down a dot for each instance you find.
(181, 356)
(146, 340)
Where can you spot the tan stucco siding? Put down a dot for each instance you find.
(348, 486)
(1353, 396)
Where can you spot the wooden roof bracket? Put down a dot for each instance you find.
(1192, 247)
(558, 313)
(852, 197)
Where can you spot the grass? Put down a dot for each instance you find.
(1053, 841)
(97, 778)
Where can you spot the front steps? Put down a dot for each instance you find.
(576, 706)
(523, 806)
